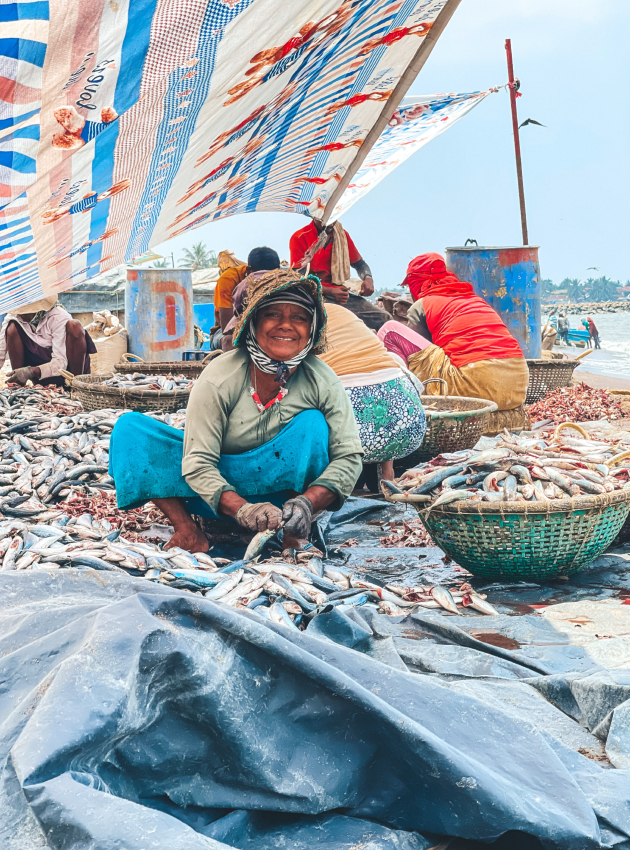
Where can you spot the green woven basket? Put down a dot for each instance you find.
(525, 540)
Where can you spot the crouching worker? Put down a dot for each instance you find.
(270, 435)
(41, 339)
(471, 348)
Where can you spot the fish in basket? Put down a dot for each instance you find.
(96, 392)
(529, 507)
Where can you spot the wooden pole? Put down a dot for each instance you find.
(517, 142)
(407, 78)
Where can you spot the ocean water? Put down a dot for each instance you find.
(614, 337)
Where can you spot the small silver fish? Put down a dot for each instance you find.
(206, 560)
(224, 587)
(448, 497)
(491, 481)
(258, 543)
(391, 609)
(204, 578)
(522, 473)
(388, 488)
(472, 600)
(510, 488)
(277, 614)
(443, 597)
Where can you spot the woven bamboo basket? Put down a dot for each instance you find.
(132, 363)
(94, 395)
(546, 375)
(527, 540)
(454, 423)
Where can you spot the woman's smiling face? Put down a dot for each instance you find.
(283, 330)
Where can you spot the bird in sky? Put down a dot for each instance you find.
(593, 269)
(530, 121)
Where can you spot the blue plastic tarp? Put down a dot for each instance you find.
(134, 716)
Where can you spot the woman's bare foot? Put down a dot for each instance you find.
(187, 535)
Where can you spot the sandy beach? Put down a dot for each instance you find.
(603, 382)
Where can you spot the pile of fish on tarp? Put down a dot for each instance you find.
(141, 715)
(289, 592)
(520, 469)
(50, 447)
(46, 456)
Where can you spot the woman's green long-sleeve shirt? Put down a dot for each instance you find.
(222, 418)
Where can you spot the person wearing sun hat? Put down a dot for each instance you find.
(41, 339)
(270, 434)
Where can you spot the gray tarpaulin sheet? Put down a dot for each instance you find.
(138, 717)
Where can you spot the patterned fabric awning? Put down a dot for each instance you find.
(126, 122)
(413, 124)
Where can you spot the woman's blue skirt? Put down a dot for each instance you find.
(145, 461)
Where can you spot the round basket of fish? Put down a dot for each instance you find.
(453, 423)
(529, 508)
(131, 364)
(138, 391)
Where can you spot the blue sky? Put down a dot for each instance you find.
(574, 66)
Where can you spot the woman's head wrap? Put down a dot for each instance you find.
(288, 287)
(428, 275)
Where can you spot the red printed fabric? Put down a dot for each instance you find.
(303, 239)
(460, 322)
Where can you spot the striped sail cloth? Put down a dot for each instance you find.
(126, 122)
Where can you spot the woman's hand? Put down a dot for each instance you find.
(24, 374)
(297, 515)
(259, 517)
(253, 516)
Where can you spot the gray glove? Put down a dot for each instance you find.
(22, 375)
(259, 517)
(297, 515)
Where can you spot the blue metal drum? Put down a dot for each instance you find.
(509, 280)
(159, 313)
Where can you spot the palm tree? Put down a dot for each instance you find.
(604, 289)
(199, 257)
(574, 288)
(161, 264)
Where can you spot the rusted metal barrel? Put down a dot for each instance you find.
(509, 280)
(159, 313)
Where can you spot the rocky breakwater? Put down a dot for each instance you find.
(589, 308)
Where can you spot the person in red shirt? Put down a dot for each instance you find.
(593, 332)
(333, 269)
(471, 348)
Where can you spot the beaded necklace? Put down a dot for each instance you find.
(254, 394)
(262, 407)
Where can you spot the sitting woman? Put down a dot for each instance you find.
(41, 339)
(386, 403)
(461, 338)
(270, 435)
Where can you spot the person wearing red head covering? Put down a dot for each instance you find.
(472, 349)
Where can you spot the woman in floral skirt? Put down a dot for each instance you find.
(384, 396)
